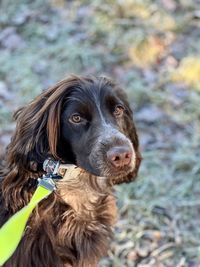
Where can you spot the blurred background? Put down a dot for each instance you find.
(152, 49)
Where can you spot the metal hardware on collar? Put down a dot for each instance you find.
(55, 169)
(47, 183)
(51, 166)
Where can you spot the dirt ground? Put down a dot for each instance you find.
(152, 49)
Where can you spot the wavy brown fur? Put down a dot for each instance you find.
(72, 227)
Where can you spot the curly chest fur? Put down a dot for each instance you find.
(87, 224)
(87, 231)
(72, 227)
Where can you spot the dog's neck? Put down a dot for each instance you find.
(82, 191)
(79, 217)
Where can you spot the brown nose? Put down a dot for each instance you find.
(119, 156)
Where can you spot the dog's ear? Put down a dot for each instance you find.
(38, 127)
(35, 138)
(131, 132)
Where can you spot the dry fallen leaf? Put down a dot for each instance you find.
(129, 8)
(147, 52)
(188, 71)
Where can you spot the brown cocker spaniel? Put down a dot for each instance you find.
(85, 121)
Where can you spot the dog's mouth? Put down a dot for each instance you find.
(71, 171)
(110, 171)
(58, 170)
(107, 170)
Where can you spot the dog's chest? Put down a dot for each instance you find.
(88, 230)
(87, 224)
(87, 194)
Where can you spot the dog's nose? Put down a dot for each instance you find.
(119, 156)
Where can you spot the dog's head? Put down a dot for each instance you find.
(86, 121)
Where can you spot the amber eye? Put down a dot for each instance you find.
(75, 118)
(119, 111)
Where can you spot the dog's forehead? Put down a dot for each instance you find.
(90, 94)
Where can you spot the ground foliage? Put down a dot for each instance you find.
(152, 49)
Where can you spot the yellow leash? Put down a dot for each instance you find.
(12, 231)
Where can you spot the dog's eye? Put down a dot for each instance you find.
(119, 111)
(75, 118)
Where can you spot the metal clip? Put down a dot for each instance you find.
(47, 183)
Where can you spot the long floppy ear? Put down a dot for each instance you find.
(131, 132)
(38, 127)
(36, 136)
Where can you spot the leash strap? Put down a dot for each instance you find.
(12, 231)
